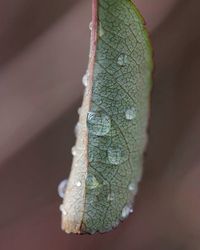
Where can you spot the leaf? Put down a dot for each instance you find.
(111, 136)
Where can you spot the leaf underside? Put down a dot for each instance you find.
(113, 122)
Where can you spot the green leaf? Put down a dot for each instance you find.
(111, 139)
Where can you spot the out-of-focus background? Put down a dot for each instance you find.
(43, 54)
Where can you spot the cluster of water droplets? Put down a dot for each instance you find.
(99, 124)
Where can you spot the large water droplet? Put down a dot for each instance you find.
(101, 31)
(125, 212)
(91, 182)
(62, 209)
(117, 155)
(98, 123)
(62, 188)
(122, 60)
(130, 114)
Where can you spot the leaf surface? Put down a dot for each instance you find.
(111, 138)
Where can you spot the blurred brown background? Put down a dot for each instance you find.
(43, 54)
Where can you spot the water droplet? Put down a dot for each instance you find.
(77, 128)
(85, 79)
(62, 188)
(90, 26)
(125, 212)
(122, 60)
(131, 210)
(111, 197)
(101, 31)
(132, 187)
(117, 155)
(62, 209)
(130, 114)
(92, 182)
(98, 123)
(78, 183)
(74, 151)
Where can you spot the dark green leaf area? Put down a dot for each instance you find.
(118, 116)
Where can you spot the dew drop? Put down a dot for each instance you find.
(132, 187)
(62, 188)
(85, 79)
(125, 212)
(74, 151)
(122, 60)
(117, 155)
(91, 182)
(98, 123)
(90, 26)
(101, 31)
(77, 128)
(130, 114)
(78, 183)
(62, 209)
